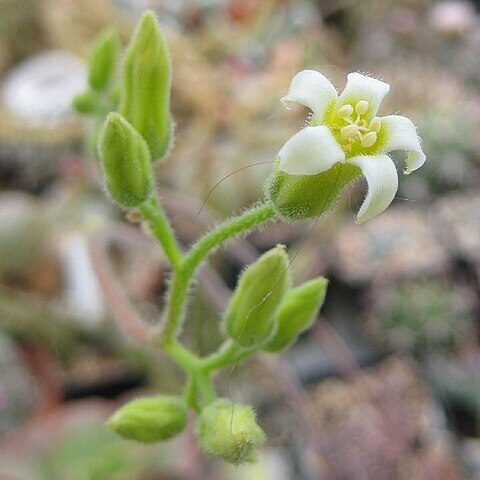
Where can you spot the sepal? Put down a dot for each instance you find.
(299, 197)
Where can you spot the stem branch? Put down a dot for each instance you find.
(227, 354)
(185, 271)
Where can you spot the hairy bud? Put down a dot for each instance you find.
(86, 102)
(103, 61)
(229, 430)
(126, 162)
(250, 317)
(149, 420)
(296, 312)
(146, 86)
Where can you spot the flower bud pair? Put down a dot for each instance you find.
(149, 420)
(263, 313)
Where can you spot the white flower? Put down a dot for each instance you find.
(346, 129)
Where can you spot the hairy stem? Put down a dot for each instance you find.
(162, 230)
(185, 271)
(228, 354)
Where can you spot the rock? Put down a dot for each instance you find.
(400, 243)
(384, 424)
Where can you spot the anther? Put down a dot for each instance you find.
(375, 124)
(349, 131)
(345, 111)
(369, 139)
(361, 107)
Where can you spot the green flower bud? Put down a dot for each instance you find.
(149, 420)
(296, 312)
(229, 430)
(103, 61)
(126, 162)
(86, 102)
(298, 197)
(250, 316)
(146, 86)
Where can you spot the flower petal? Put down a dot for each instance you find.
(382, 179)
(400, 134)
(312, 89)
(360, 87)
(310, 151)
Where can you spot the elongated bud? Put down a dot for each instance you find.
(298, 197)
(149, 420)
(250, 317)
(103, 61)
(296, 312)
(229, 430)
(126, 162)
(146, 86)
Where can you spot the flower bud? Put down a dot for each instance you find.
(296, 312)
(149, 420)
(86, 102)
(103, 61)
(146, 86)
(229, 430)
(298, 197)
(250, 316)
(126, 162)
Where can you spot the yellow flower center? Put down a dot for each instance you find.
(353, 130)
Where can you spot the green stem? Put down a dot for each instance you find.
(183, 275)
(197, 378)
(255, 216)
(205, 387)
(190, 394)
(227, 354)
(184, 357)
(153, 212)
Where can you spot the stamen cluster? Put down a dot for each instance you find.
(352, 126)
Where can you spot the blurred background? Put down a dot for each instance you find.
(386, 385)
